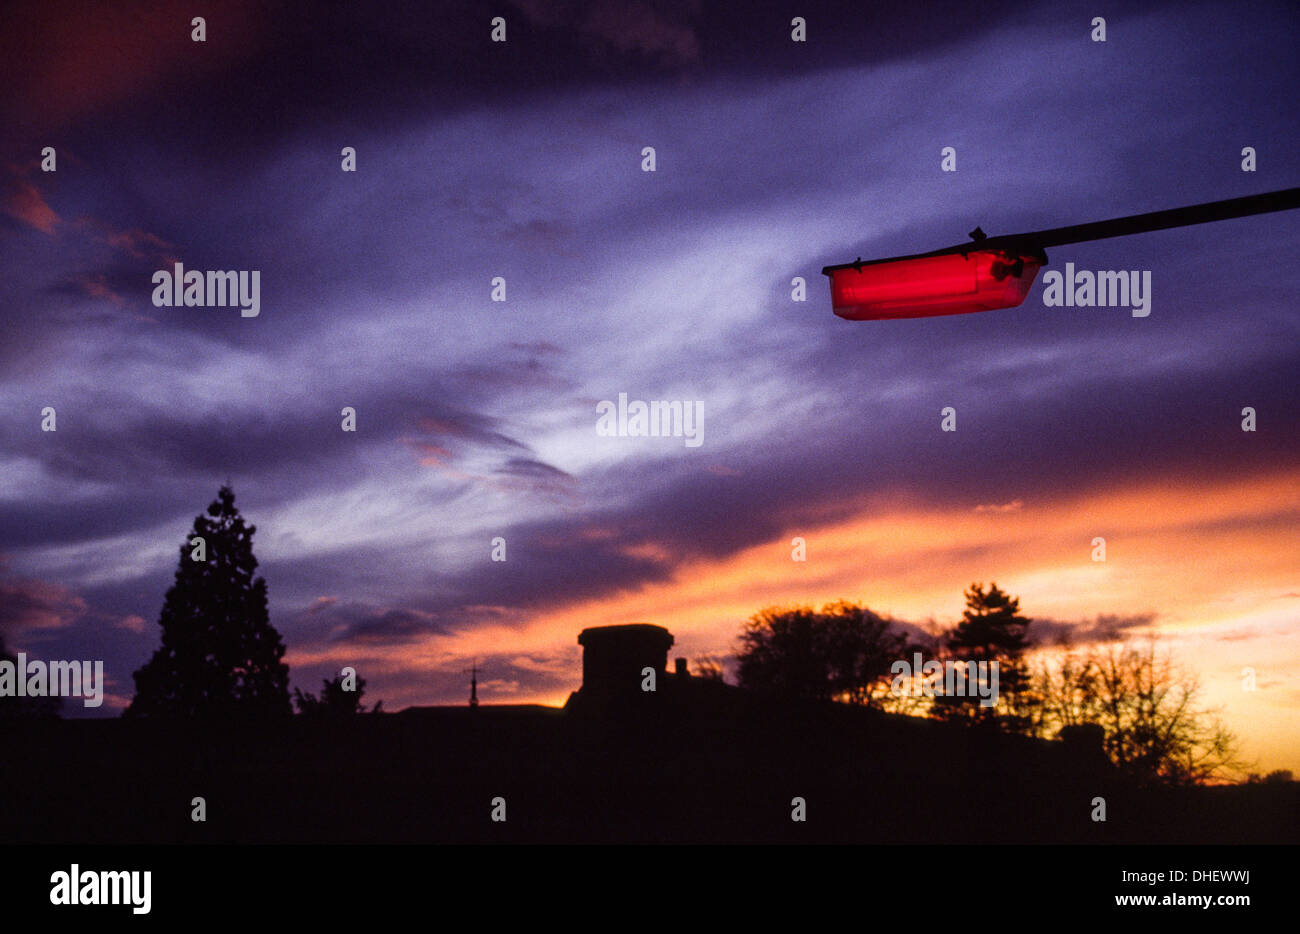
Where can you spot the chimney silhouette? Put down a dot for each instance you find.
(614, 657)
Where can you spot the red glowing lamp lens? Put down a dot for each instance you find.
(924, 286)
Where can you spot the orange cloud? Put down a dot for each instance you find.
(1205, 558)
(27, 604)
(23, 201)
(96, 286)
(132, 623)
(1209, 560)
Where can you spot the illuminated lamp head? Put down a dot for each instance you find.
(945, 283)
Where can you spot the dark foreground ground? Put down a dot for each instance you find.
(430, 775)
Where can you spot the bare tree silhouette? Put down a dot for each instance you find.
(1146, 704)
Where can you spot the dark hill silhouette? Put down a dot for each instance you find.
(694, 761)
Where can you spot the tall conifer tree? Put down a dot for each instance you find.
(992, 630)
(219, 656)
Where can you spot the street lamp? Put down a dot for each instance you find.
(997, 272)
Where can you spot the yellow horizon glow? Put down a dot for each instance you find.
(1212, 558)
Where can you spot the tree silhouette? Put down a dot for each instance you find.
(1275, 777)
(992, 630)
(220, 656)
(844, 651)
(335, 700)
(1154, 728)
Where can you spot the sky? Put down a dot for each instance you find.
(477, 419)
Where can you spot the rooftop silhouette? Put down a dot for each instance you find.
(693, 760)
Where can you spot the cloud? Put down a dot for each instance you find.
(133, 623)
(24, 202)
(498, 686)
(27, 605)
(540, 235)
(390, 626)
(1105, 627)
(633, 26)
(542, 664)
(95, 286)
(537, 476)
(135, 243)
(467, 427)
(329, 621)
(627, 26)
(677, 282)
(139, 243)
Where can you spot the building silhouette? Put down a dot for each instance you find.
(694, 760)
